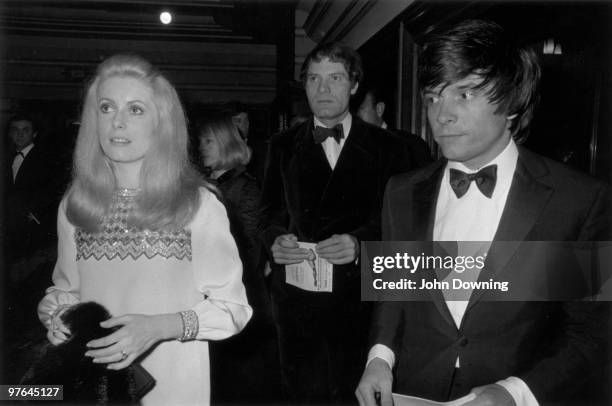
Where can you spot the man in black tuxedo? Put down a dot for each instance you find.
(372, 109)
(30, 199)
(323, 184)
(480, 92)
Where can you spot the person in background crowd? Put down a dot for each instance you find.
(33, 182)
(31, 195)
(239, 114)
(140, 234)
(251, 357)
(225, 155)
(323, 184)
(372, 110)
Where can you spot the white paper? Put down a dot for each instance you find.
(403, 400)
(314, 274)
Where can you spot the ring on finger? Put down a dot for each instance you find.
(124, 355)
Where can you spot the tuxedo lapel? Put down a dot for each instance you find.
(30, 167)
(309, 164)
(424, 198)
(307, 153)
(353, 156)
(531, 189)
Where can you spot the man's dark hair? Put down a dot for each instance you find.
(480, 47)
(366, 88)
(22, 117)
(233, 107)
(336, 52)
(375, 94)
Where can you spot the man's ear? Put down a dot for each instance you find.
(380, 109)
(354, 88)
(35, 135)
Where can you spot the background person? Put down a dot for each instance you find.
(251, 357)
(372, 109)
(323, 184)
(31, 184)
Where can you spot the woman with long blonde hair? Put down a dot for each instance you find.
(141, 234)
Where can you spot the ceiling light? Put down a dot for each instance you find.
(165, 17)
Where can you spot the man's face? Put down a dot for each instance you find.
(22, 133)
(329, 90)
(368, 111)
(464, 122)
(241, 120)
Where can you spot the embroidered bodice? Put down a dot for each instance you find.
(118, 240)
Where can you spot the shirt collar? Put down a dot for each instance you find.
(504, 160)
(27, 149)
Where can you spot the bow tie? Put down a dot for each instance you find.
(320, 134)
(485, 180)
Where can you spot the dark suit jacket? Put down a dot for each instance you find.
(552, 346)
(35, 190)
(302, 195)
(419, 150)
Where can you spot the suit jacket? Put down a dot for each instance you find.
(551, 346)
(419, 150)
(37, 190)
(302, 195)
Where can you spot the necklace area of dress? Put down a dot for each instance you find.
(127, 192)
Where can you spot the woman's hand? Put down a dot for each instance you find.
(137, 334)
(58, 333)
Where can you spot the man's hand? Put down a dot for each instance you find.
(491, 395)
(339, 249)
(285, 250)
(377, 378)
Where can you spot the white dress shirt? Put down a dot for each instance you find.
(19, 158)
(330, 146)
(473, 217)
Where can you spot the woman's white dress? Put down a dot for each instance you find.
(145, 272)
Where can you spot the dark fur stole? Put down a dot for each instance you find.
(85, 382)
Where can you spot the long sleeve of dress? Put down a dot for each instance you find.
(66, 283)
(224, 310)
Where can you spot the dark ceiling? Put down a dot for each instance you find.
(196, 20)
(213, 50)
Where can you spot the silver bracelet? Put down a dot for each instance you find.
(190, 325)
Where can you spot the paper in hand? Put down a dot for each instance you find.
(314, 274)
(403, 400)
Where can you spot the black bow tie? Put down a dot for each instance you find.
(485, 180)
(320, 134)
(18, 153)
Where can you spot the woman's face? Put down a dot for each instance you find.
(127, 118)
(209, 149)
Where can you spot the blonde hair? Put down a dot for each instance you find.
(169, 185)
(233, 151)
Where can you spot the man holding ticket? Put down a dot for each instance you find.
(322, 195)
